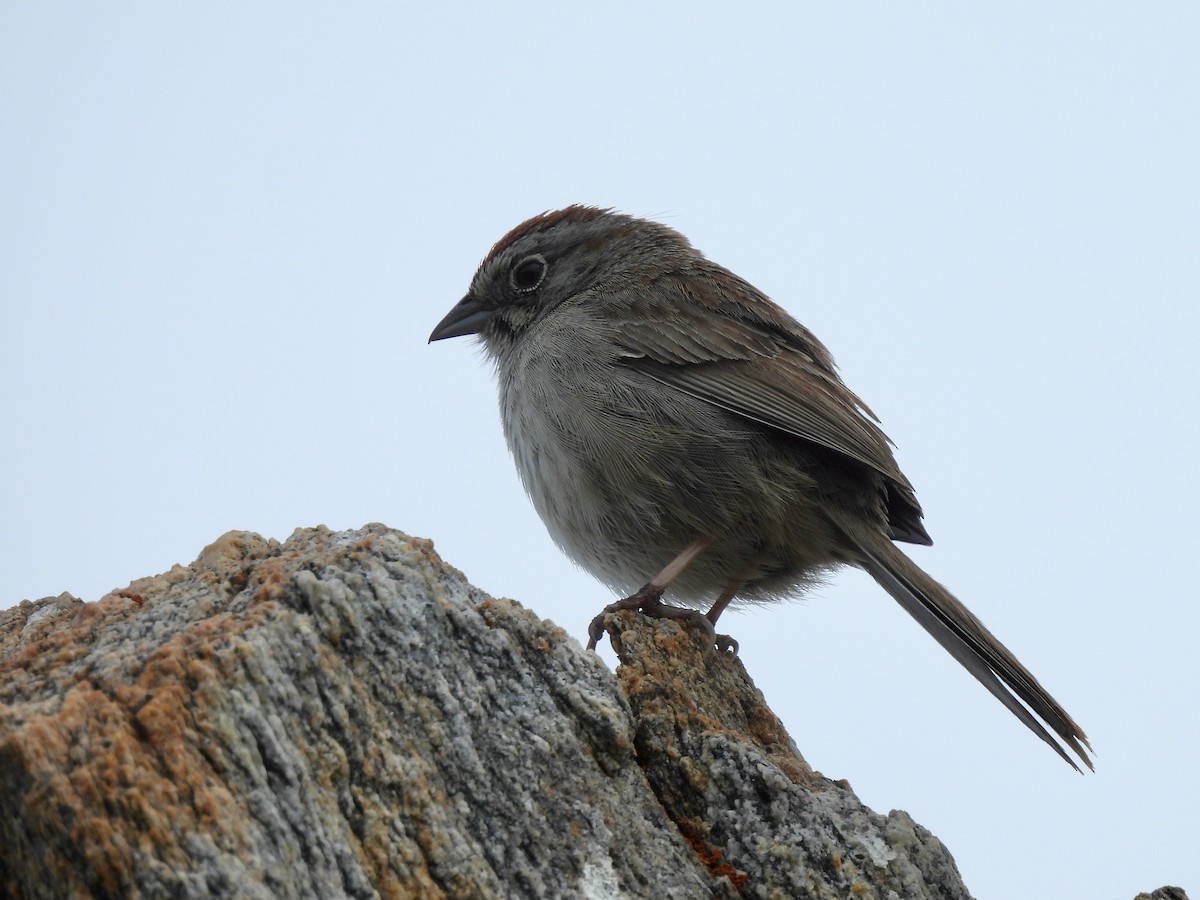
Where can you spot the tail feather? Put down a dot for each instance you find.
(976, 648)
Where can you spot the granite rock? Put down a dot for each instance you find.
(343, 715)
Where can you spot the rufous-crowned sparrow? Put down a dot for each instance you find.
(667, 417)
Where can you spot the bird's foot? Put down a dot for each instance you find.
(649, 601)
(725, 643)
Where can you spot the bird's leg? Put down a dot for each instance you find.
(649, 598)
(724, 641)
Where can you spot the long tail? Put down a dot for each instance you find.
(968, 641)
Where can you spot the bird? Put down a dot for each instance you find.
(681, 435)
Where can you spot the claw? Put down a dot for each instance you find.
(644, 599)
(726, 644)
(595, 630)
(648, 601)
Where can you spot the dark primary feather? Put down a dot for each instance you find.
(756, 361)
(749, 357)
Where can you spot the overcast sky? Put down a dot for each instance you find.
(226, 233)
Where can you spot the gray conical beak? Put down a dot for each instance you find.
(468, 316)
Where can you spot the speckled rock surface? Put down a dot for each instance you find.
(343, 715)
(728, 774)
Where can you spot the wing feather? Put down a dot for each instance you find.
(751, 358)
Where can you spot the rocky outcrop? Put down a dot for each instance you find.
(343, 715)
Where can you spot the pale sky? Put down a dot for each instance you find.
(226, 233)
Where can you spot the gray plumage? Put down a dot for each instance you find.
(652, 399)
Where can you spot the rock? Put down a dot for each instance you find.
(343, 715)
(733, 782)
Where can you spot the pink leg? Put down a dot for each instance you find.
(724, 641)
(649, 600)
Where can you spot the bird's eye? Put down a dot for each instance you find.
(528, 273)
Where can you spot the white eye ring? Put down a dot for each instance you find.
(529, 273)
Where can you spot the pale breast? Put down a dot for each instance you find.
(626, 472)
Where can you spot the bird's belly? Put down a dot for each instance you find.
(624, 490)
